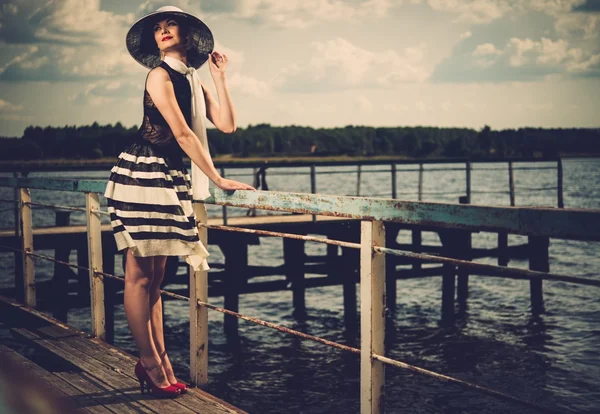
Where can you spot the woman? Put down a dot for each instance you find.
(149, 191)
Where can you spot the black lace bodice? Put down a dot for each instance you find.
(154, 128)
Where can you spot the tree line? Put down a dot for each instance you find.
(264, 140)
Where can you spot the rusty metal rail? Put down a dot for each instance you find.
(333, 344)
(541, 222)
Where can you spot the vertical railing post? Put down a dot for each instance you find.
(468, 177)
(358, 174)
(559, 183)
(511, 183)
(313, 185)
(26, 225)
(18, 256)
(394, 193)
(94, 243)
(420, 189)
(372, 317)
(199, 314)
(224, 208)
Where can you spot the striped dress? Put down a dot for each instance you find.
(149, 193)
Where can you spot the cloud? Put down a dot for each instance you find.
(109, 91)
(589, 6)
(12, 112)
(338, 64)
(519, 59)
(299, 14)
(60, 22)
(486, 11)
(473, 11)
(248, 85)
(69, 40)
(585, 26)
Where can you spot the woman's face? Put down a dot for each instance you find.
(167, 34)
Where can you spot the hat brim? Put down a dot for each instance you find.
(142, 46)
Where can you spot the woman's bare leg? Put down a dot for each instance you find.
(139, 274)
(157, 316)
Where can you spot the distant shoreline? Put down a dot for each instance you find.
(245, 162)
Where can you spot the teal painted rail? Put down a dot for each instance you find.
(567, 223)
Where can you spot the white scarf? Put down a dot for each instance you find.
(199, 179)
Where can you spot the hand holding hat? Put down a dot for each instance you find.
(217, 63)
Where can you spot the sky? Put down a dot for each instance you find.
(317, 63)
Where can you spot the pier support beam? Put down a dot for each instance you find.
(538, 260)
(464, 251)
(60, 279)
(236, 269)
(391, 232)
(294, 257)
(350, 262)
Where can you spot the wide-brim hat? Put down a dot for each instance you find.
(142, 46)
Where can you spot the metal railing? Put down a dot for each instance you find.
(540, 222)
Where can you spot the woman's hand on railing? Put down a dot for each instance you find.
(225, 184)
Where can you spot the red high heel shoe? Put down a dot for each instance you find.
(147, 384)
(181, 386)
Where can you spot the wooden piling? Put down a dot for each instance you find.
(110, 293)
(236, 268)
(503, 256)
(450, 240)
(391, 232)
(60, 279)
(372, 317)
(199, 314)
(224, 208)
(559, 183)
(511, 183)
(394, 177)
(350, 262)
(94, 244)
(465, 252)
(358, 174)
(294, 257)
(27, 247)
(538, 260)
(313, 185)
(417, 247)
(420, 184)
(468, 181)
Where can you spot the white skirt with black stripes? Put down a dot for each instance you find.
(149, 198)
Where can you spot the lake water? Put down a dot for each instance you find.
(552, 359)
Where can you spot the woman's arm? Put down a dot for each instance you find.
(161, 91)
(221, 113)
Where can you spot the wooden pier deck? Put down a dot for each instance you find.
(86, 375)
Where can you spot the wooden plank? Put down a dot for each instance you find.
(102, 394)
(112, 357)
(110, 376)
(58, 388)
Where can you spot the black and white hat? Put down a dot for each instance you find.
(142, 46)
